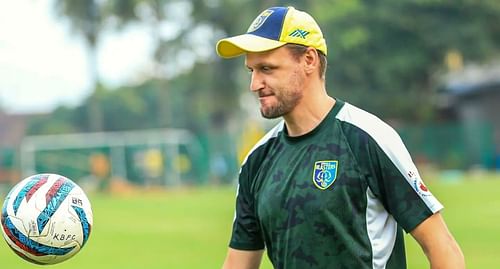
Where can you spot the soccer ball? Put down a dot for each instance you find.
(46, 219)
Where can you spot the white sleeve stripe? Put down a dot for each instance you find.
(392, 145)
(382, 231)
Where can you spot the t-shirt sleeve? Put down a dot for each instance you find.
(395, 181)
(246, 233)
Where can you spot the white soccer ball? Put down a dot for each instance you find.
(46, 219)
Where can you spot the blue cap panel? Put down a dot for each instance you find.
(269, 23)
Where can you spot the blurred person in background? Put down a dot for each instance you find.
(330, 186)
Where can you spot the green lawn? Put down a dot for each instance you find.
(190, 229)
(472, 212)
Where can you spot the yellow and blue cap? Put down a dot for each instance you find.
(273, 28)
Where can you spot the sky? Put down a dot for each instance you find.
(43, 64)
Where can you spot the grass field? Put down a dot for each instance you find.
(190, 228)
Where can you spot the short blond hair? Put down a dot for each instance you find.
(299, 50)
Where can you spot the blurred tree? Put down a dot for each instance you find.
(225, 84)
(133, 107)
(61, 120)
(387, 55)
(85, 18)
(89, 18)
(384, 56)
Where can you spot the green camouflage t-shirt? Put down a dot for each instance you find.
(337, 197)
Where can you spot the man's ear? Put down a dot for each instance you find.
(311, 60)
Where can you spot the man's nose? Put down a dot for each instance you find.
(257, 82)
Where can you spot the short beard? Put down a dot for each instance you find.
(286, 103)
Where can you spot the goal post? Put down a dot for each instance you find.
(163, 157)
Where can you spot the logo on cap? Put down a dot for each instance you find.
(257, 23)
(299, 33)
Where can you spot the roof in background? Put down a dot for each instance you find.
(473, 79)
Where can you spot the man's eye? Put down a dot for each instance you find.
(265, 68)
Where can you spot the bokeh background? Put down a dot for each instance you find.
(128, 98)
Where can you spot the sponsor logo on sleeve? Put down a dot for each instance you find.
(418, 185)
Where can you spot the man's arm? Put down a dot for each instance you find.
(438, 244)
(243, 259)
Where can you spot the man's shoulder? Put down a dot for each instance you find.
(366, 122)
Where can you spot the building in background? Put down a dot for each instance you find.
(471, 96)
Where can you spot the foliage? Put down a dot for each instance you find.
(385, 56)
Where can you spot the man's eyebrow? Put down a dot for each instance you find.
(262, 64)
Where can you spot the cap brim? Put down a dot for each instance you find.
(241, 44)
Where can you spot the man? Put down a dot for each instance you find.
(331, 186)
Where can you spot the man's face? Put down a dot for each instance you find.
(277, 79)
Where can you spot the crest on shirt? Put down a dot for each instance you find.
(325, 173)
